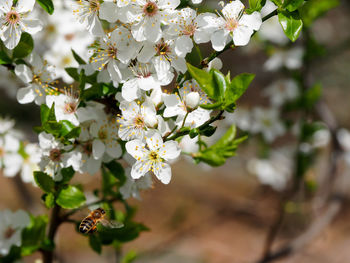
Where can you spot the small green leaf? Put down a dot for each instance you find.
(44, 181)
(204, 80)
(292, 5)
(129, 257)
(255, 5)
(47, 5)
(70, 197)
(117, 171)
(291, 24)
(49, 200)
(73, 72)
(4, 58)
(67, 174)
(24, 47)
(216, 105)
(66, 127)
(277, 2)
(95, 244)
(78, 58)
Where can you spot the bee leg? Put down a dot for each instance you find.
(93, 230)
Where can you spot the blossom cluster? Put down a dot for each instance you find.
(141, 51)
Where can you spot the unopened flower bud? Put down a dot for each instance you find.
(192, 100)
(151, 121)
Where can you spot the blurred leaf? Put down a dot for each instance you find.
(255, 5)
(73, 72)
(49, 200)
(78, 58)
(291, 24)
(313, 9)
(292, 5)
(277, 2)
(47, 5)
(44, 181)
(70, 197)
(311, 96)
(117, 171)
(68, 130)
(4, 58)
(95, 243)
(33, 236)
(24, 47)
(67, 174)
(129, 257)
(13, 255)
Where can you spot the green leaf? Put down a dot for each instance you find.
(224, 148)
(255, 5)
(311, 96)
(236, 89)
(117, 171)
(68, 130)
(277, 2)
(44, 181)
(24, 47)
(33, 236)
(4, 58)
(129, 257)
(313, 9)
(216, 105)
(292, 5)
(205, 81)
(70, 197)
(78, 58)
(291, 24)
(67, 174)
(49, 200)
(73, 72)
(95, 243)
(47, 5)
(220, 83)
(13, 255)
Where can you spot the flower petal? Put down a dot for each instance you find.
(163, 172)
(26, 95)
(98, 149)
(170, 150)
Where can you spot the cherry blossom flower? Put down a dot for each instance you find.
(88, 12)
(10, 160)
(13, 21)
(144, 79)
(187, 26)
(282, 91)
(147, 16)
(132, 186)
(39, 78)
(136, 119)
(31, 158)
(291, 59)
(114, 52)
(164, 58)
(235, 24)
(153, 156)
(12, 224)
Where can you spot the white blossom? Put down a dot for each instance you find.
(13, 21)
(152, 156)
(12, 224)
(282, 91)
(233, 23)
(291, 59)
(88, 12)
(132, 186)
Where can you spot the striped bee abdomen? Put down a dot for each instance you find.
(86, 225)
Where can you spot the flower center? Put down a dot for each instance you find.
(231, 24)
(55, 155)
(153, 156)
(189, 30)
(102, 134)
(12, 17)
(94, 5)
(163, 49)
(87, 148)
(267, 122)
(112, 52)
(139, 122)
(9, 232)
(70, 107)
(150, 9)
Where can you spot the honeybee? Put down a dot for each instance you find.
(89, 223)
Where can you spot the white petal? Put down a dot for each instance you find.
(114, 71)
(130, 90)
(241, 35)
(179, 64)
(219, 39)
(114, 150)
(109, 11)
(98, 149)
(31, 26)
(183, 45)
(172, 4)
(12, 163)
(233, 9)
(152, 30)
(11, 36)
(147, 52)
(170, 150)
(139, 169)
(252, 21)
(26, 95)
(148, 83)
(155, 141)
(135, 148)
(24, 73)
(162, 66)
(138, 32)
(163, 172)
(94, 26)
(25, 5)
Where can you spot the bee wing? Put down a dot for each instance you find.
(111, 224)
